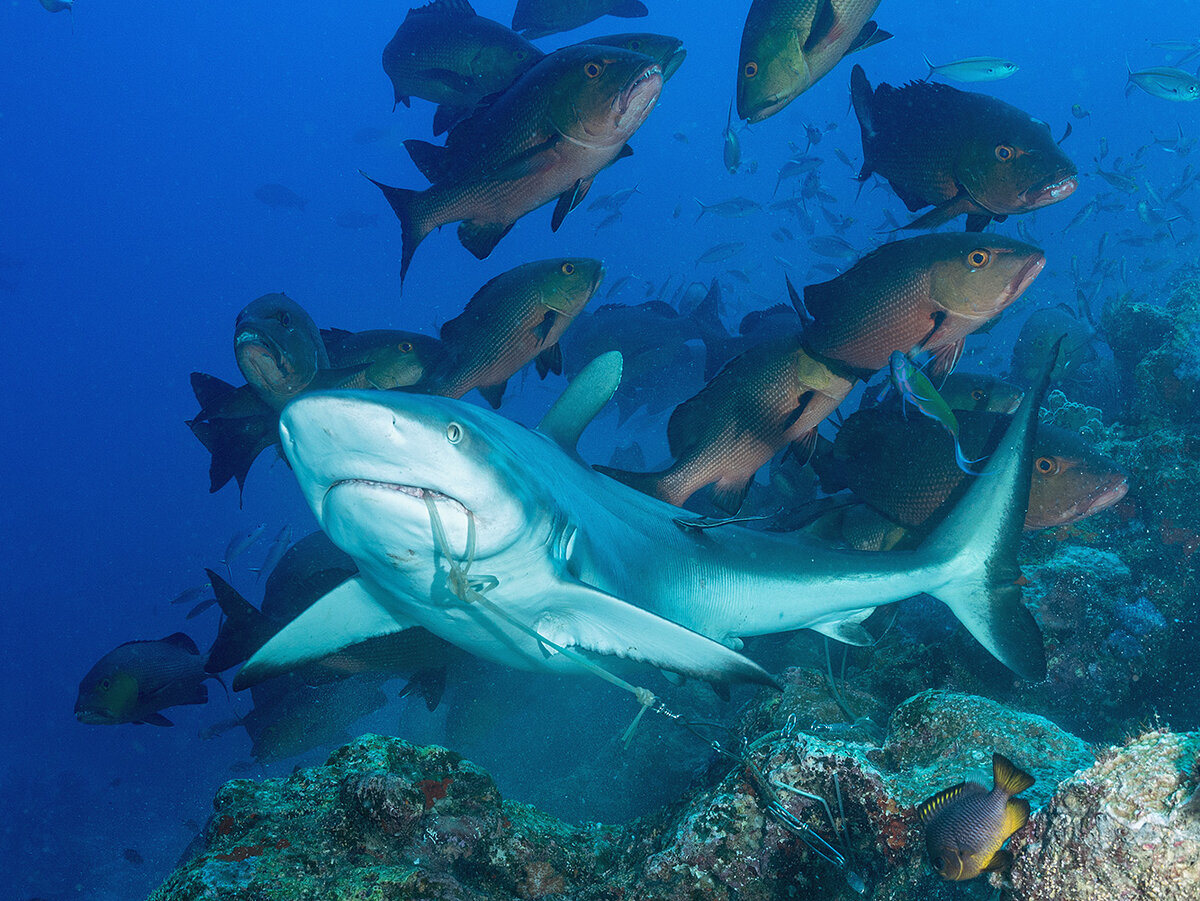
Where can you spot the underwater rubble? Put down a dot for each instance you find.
(787, 812)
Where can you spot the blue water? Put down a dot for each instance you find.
(132, 138)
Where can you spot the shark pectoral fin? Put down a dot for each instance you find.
(582, 400)
(849, 630)
(591, 620)
(346, 615)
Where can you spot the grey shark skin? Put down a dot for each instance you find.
(593, 565)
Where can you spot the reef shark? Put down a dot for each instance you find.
(500, 539)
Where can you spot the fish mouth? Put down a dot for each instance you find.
(1047, 193)
(94, 717)
(764, 109)
(1110, 494)
(262, 356)
(643, 88)
(1024, 278)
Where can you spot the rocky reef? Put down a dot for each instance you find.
(784, 811)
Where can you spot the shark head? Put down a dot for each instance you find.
(375, 466)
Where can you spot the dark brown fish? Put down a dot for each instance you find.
(278, 348)
(906, 469)
(920, 294)
(966, 825)
(235, 425)
(667, 50)
(538, 18)
(135, 681)
(769, 397)
(516, 317)
(958, 151)
(546, 137)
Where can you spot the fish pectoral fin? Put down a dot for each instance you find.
(481, 238)
(945, 211)
(730, 494)
(568, 200)
(451, 79)
(945, 358)
(155, 719)
(588, 619)
(849, 630)
(977, 222)
(870, 35)
(549, 360)
(344, 616)
(527, 162)
(542, 330)
(823, 22)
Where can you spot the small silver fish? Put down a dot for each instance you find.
(974, 68)
(242, 542)
(278, 548)
(191, 595)
(1164, 82)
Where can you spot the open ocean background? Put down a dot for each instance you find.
(132, 138)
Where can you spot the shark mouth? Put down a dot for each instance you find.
(429, 495)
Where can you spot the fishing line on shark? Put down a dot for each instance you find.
(465, 590)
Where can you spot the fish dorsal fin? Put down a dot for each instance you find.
(821, 299)
(182, 641)
(453, 8)
(582, 400)
(1008, 777)
(933, 806)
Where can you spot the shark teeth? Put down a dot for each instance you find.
(411, 490)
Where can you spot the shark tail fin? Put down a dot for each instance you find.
(977, 547)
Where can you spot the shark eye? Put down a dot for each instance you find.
(593, 69)
(454, 433)
(750, 69)
(567, 268)
(1004, 153)
(1046, 465)
(405, 347)
(979, 258)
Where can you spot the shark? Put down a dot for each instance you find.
(500, 539)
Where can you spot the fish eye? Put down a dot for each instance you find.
(1004, 153)
(405, 347)
(1046, 465)
(978, 258)
(520, 54)
(454, 433)
(285, 319)
(978, 394)
(939, 864)
(567, 268)
(592, 69)
(635, 45)
(751, 69)
(105, 685)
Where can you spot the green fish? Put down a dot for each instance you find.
(958, 151)
(136, 680)
(915, 388)
(546, 137)
(668, 51)
(788, 45)
(516, 317)
(975, 68)
(278, 348)
(445, 53)
(394, 358)
(538, 18)
(966, 825)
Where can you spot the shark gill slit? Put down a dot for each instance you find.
(462, 588)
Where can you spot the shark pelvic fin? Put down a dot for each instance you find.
(582, 617)
(346, 615)
(849, 630)
(582, 400)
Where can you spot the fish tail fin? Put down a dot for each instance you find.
(860, 99)
(1008, 776)
(975, 549)
(243, 632)
(413, 229)
(703, 208)
(932, 67)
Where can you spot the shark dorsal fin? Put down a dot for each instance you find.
(582, 400)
